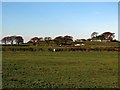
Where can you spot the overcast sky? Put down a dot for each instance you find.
(78, 19)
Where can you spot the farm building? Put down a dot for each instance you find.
(79, 42)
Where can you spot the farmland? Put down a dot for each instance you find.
(68, 69)
(59, 45)
(89, 46)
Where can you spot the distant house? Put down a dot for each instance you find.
(104, 37)
(79, 42)
(99, 39)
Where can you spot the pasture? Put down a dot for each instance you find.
(68, 69)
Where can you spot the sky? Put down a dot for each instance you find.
(44, 19)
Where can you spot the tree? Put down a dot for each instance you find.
(4, 40)
(40, 39)
(48, 39)
(108, 36)
(58, 40)
(68, 39)
(11, 39)
(8, 39)
(101, 37)
(89, 39)
(18, 40)
(94, 34)
(34, 39)
(63, 40)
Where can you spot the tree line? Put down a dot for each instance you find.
(11, 39)
(104, 36)
(59, 40)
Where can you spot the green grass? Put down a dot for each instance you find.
(60, 69)
(102, 44)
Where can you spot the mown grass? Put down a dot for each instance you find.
(60, 69)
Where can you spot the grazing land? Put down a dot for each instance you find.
(68, 69)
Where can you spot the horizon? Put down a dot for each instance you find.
(55, 36)
(44, 19)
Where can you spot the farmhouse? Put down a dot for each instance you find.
(79, 42)
(98, 39)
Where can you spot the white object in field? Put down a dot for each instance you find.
(82, 44)
(53, 50)
(79, 44)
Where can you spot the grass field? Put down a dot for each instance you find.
(60, 69)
